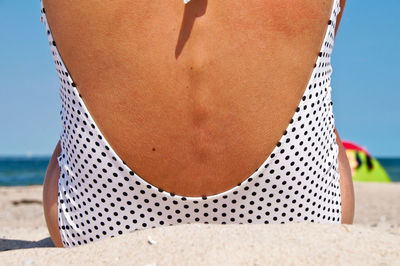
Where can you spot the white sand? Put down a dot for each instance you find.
(373, 239)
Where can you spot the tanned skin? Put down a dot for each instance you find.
(211, 104)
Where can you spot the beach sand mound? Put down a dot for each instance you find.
(374, 239)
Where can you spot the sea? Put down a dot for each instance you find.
(26, 171)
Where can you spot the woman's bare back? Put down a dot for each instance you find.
(193, 97)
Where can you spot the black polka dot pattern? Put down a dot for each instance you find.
(101, 197)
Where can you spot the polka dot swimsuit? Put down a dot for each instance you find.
(100, 196)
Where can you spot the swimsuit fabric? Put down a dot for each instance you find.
(99, 196)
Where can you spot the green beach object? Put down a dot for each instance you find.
(364, 167)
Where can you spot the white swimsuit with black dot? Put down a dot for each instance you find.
(101, 197)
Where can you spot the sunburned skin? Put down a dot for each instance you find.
(203, 91)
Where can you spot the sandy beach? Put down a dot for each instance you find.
(373, 239)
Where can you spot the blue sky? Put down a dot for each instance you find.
(366, 91)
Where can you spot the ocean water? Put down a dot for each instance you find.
(25, 171)
(22, 171)
(392, 167)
